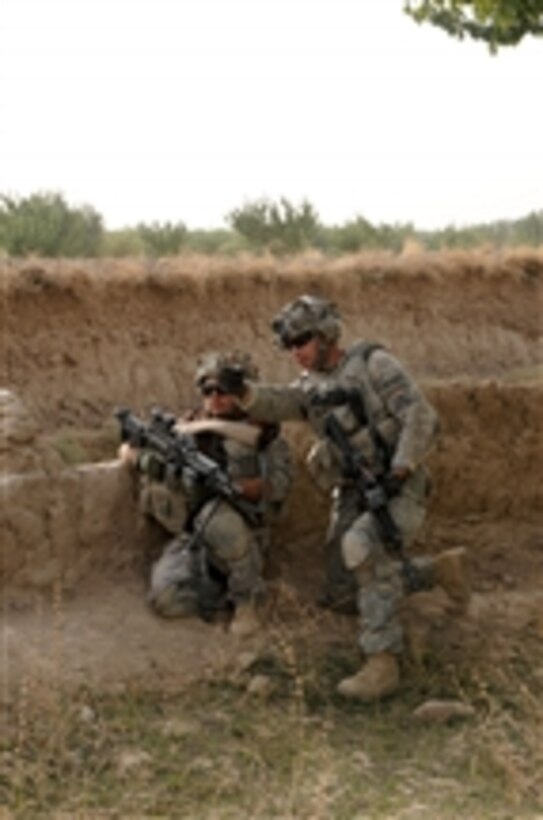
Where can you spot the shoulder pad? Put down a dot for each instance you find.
(364, 349)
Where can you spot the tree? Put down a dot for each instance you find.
(44, 223)
(498, 22)
(214, 241)
(122, 243)
(529, 231)
(162, 239)
(353, 236)
(279, 227)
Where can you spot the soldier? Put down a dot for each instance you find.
(216, 557)
(393, 426)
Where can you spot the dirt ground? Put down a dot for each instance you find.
(82, 338)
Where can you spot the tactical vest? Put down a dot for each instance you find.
(372, 430)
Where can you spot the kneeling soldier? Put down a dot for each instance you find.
(216, 557)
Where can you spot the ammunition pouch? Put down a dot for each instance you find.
(167, 507)
(152, 465)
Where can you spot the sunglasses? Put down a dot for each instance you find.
(299, 341)
(211, 389)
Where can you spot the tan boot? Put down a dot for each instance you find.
(245, 621)
(451, 572)
(378, 678)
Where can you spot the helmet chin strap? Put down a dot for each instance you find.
(329, 354)
(323, 349)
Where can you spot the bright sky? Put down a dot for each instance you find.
(181, 110)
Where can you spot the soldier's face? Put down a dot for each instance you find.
(216, 401)
(307, 355)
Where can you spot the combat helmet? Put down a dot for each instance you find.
(227, 369)
(305, 317)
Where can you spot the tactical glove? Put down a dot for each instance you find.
(392, 484)
(338, 396)
(232, 380)
(329, 397)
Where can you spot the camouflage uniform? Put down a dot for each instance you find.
(355, 554)
(232, 548)
(226, 567)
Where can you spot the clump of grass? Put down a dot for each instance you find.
(81, 446)
(70, 450)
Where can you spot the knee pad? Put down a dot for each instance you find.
(354, 550)
(228, 538)
(174, 601)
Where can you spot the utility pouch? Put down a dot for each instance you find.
(152, 465)
(167, 507)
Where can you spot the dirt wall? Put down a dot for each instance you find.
(80, 338)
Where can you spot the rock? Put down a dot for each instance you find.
(16, 424)
(86, 714)
(260, 686)
(443, 711)
(130, 759)
(179, 727)
(245, 660)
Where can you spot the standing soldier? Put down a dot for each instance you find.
(388, 427)
(217, 553)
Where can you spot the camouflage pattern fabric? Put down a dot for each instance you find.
(355, 557)
(228, 545)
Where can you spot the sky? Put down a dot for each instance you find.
(183, 110)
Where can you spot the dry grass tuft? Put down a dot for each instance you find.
(194, 270)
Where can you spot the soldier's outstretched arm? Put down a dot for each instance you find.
(274, 403)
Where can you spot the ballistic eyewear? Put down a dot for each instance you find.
(300, 340)
(211, 388)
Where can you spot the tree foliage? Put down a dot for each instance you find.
(527, 232)
(277, 226)
(122, 243)
(497, 22)
(162, 239)
(359, 234)
(215, 241)
(45, 224)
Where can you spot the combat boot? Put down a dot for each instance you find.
(245, 621)
(378, 678)
(450, 572)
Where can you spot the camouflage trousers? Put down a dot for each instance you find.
(362, 572)
(226, 553)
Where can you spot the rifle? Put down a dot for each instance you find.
(375, 491)
(182, 458)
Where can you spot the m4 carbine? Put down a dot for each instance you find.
(375, 491)
(182, 459)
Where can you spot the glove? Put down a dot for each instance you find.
(337, 396)
(331, 397)
(393, 483)
(232, 380)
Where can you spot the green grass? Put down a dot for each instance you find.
(215, 751)
(81, 446)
